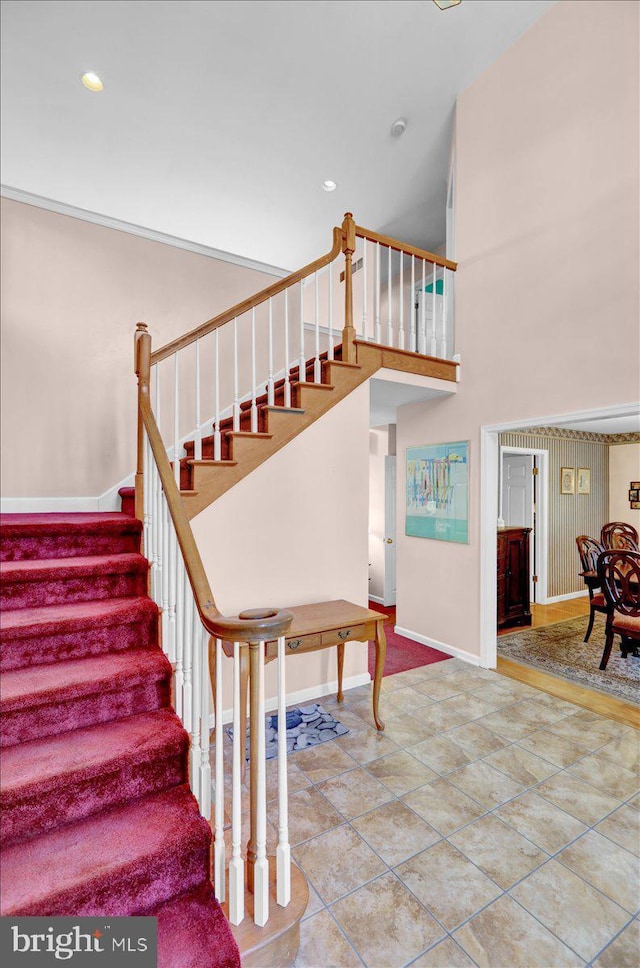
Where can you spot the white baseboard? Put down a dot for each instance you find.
(377, 599)
(48, 505)
(564, 598)
(441, 646)
(303, 695)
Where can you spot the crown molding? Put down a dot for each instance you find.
(97, 218)
(584, 435)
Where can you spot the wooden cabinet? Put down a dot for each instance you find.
(513, 577)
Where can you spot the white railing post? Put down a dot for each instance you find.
(236, 866)
(443, 337)
(283, 853)
(236, 388)
(164, 521)
(219, 853)
(216, 399)
(261, 866)
(173, 565)
(364, 289)
(317, 372)
(377, 330)
(176, 422)
(412, 307)
(287, 364)
(302, 362)
(197, 450)
(330, 284)
(254, 408)
(389, 300)
(205, 737)
(401, 314)
(178, 678)
(196, 711)
(422, 340)
(434, 302)
(187, 638)
(270, 383)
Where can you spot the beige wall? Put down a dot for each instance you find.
(295, 532)
(378, 450)
(72, 293)
(547, 205)
(624, 467)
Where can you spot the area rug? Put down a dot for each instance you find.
(402, 653)
(306, 726)
(560, 650)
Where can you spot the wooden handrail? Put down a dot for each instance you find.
(256, 626)
(405, 247)
(251, 302)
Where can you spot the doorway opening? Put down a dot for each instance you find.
(524, 476)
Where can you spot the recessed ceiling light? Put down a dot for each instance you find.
(329, 186)
(92, 82)
(399, 127)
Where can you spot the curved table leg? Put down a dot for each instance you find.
(340, 648)
(381, 651)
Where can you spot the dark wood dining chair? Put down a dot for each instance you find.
(589, 550)
(618, 536)
(619, 573)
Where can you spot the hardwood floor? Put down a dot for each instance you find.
(542, 615)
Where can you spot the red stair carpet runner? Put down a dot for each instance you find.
(97, 815)
(402, 653)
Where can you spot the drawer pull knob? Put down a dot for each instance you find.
(294, 645)
(345, 634)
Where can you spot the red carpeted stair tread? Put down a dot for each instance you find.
(49, 581)
(86, 565)
(193, 932)
(52, 619)
(60, 535)
(119, 862)
(52, 781)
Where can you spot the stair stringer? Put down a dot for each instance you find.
(211, 479)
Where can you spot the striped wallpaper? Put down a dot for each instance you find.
(569, 514)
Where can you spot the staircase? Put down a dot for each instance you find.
(97, 815)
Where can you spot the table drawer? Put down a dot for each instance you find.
(347, 634)
(302, 643)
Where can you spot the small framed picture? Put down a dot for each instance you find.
(634, 494)
(635, 505)
(584, 480)
(567, 480)
(634, 485)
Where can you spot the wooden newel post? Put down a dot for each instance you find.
(348, 247)
(142, 359)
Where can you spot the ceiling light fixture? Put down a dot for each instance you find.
(445, 4)
(92, 82)
(399, 127)
(329, 186)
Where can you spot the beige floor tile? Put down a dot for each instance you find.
(349, 718)
(560, 705)
(364, 710)
(623, 827)
(321, 762)
(400, 772)
(475, 740)
(573, 910)
(390, 684)
(323, 945)
(354, 792)
(624, 751)
(521, 765)
(412, 676)
(445, 954)
(624, 952)
(386, 925)
(309, 815)
(504, 855)
(606, 776)
(580, 799)
(510, 723)
(395, 832)
(441, 754)
(438, 717)
(559, 751)
(297, 780)
(447, 883)
(485, 784)
(315, 902)
(608, 867)
(366, 744)
(541, 822)
(337, 862)
(444, 806)
(407, 699)
(438, 689)
(469, 707)
(586, 729)
(495, 695)
(504, 935)
(405, 730)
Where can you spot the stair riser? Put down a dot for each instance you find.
(59, 591)
(33, 722)
(137, 887)
(38, 811)
(18, 653)
(37, 548)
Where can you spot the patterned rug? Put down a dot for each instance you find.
(306, 726)
(560, 650)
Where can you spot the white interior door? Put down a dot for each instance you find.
(518, 508)
(389, 592)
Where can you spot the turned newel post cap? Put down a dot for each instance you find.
(141, 328)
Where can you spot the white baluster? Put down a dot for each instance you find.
(254, 407)
(197, 450)
(146, 500)
(236, 866)
(283, 853)
(412, 307)
(187, 637)
(164, 517)
(216, 406)
(389, 300)
(364, 290)
(156, 584)
(422, 337)
(196, 704)
(219, 855)
(270, 383)
(432, 349)
(205, 740)
(173, 565)
(287, 364)
(377, 331)
(401, 320)
(330, 347)
(176, 422)
(443, 337)
(178, 678)
(261, 866)
(302, 363)
(317, 367)
(236, 390)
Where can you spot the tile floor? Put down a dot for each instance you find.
(490, 824)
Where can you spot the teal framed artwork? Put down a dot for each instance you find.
(437, 504)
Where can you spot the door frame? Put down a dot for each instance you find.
(541, 560)
(390, 511)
